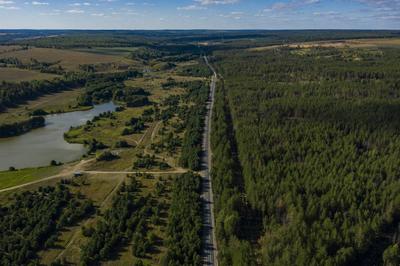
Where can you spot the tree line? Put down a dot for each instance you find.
(18, 128)
(230, 207)
(184, 222)
(197, 93)
(44, 67)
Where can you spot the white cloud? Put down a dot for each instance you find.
(326, 13)
(98, 14)
(80, 4)
(216, 2)
(75, 11)
(50, 14)
(281, 6)
(191, 7)
(9, 7)
(6, 5)
(234, 15)
(36, 3)
(200, 4)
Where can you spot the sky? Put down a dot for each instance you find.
(200, 14)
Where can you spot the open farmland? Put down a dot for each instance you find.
(362, 43)
(114, 51)
(9, 48)
(17, 75)
(70, 60)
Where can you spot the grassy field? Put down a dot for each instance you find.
(18, 177)
(16, 75)
(8, 48)
(115, 51)
(111, 129)
(52, 103)
(361, 43)
(68, 59)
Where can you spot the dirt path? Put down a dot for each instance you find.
(77, 168)
(155, 130)
(178, 171)
(76, 233)
(65, 172)
(149, 129)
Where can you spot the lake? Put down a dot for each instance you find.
(38, 147)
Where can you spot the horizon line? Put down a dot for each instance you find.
(201, 29)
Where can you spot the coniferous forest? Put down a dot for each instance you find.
(316, 132)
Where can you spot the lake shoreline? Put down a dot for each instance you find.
(25, 130)
(39, 147)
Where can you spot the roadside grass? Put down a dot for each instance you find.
(67, 59)
(65, 101)
(18, 177)
(11, 74)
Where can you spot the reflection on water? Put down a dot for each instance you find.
(38, 147)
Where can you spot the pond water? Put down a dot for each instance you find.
(38, 147)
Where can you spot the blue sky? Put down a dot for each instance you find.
(200, 14)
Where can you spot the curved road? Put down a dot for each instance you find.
(209, 243)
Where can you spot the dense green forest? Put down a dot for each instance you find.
(34, 219)
(317, 138)
(197, 95)
(230, 209)
(105, 87)
(184, 222)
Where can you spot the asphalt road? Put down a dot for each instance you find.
(209, 252)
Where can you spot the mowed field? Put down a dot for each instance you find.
(68, 59)
(15, 178)
(16, 75)
(361, 43)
